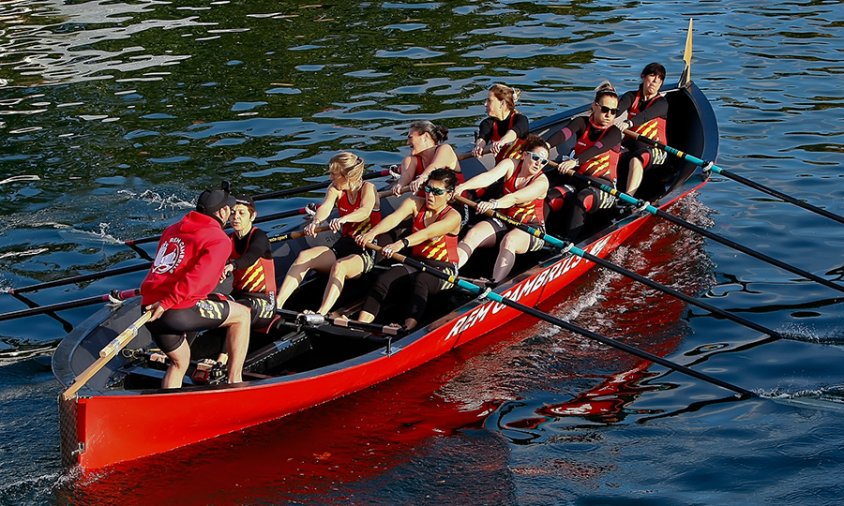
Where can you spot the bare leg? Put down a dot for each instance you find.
(179, 361)
(515, 242)
(634, 177)
(318, 257)
(237, 339)
(481, 235)
(346, 268)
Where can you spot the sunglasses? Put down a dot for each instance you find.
(605, 109)
(537, 158)
(435, 191)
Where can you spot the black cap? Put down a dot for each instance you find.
(211, 201)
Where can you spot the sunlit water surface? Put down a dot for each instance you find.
(115, 114)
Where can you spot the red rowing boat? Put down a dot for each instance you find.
(120, 414)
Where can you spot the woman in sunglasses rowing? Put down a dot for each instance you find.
(433, 239)
(596, 152)
(525, 188)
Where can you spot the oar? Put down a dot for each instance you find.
(475, 289)
(568, 247)
(735, 177)
(106, 354)
(702, 231)
(312, 187)
(82, 277)
(260, 219)
(131, 268)
(121, 295)
(297, 234)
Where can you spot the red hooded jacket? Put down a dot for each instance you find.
(187, 267)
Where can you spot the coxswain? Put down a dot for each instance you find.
(187, 267)
(596, 152)
(358, 210)
(433, 240)
(647, 113)
(525, 189)
(251, 265)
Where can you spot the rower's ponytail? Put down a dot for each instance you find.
(346, 164)
(437, 132)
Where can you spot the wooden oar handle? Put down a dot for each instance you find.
(106, 354)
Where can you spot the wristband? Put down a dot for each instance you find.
(406, 242)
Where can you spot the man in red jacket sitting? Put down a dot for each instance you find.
(187, 267)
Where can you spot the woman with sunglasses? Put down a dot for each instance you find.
(525, 188)
(647, 112)
(428, 151)
(505, 128)
(596, 152)
(433, 240)
(251, 265)
(358, 210)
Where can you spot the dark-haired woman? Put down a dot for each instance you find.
(432, 239)
(428, 151)
(505, 128)
(525, 188)
(647, 112)
(596, 152)
(251, 265)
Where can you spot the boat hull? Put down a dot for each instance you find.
(102, 427)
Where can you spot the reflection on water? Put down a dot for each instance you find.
(115, 114)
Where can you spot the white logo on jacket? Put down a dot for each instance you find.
(169, 256)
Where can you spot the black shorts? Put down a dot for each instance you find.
(171, 329)
(346, 246)
(502, 228)
(261, 306)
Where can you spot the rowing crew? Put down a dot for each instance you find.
(194, 254)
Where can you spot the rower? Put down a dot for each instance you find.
(251, 265)
(647, 112)
(433, 239)
(505, 128)
(428, 151)
(358, 209)
(596, 152)
(525, 188)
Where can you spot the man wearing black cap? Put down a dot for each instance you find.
(187, 267)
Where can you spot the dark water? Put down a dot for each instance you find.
(125, 110)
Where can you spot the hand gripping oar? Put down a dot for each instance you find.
(475, 289)
(122, 295)
(702, 231)
(106, 354)
(568, 247)
(735, 177)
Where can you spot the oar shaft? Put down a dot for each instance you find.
(297, 234)
(743, 393)
(706, 233)
(126, 294)
(735, 177)
(83, 277)
(554, 241)
(311, 187)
